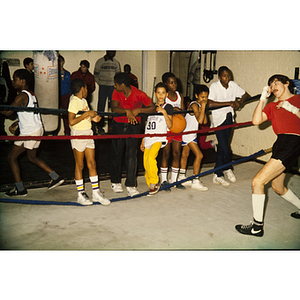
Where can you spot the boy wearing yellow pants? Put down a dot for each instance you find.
(158, 123)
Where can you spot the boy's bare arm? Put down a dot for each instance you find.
(20, 100)
(168, 118)
(200, 112)
(212, 103)
(73, 120)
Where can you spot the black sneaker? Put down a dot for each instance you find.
(296, 214)
(164, 188)
(252, 229)
(180, 186)
(15, 192)
(55, 183)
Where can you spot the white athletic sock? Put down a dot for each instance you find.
(79, 185)
(182, 172)
(292, 198)
(164, 174)
(94, 182)
(174, 174)
(258, 205)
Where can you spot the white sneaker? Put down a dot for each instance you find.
(132, 191)
(198, 185)
(83, 199)
(98, 197)
(186, 183)
(230, 176)
(220, 180)
(117, 187)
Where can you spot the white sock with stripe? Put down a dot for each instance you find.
(79, 185)
(95, 183)
(164, 174)
(174, 174)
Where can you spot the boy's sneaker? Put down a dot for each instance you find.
(186, 183)
(220, 180)
(229, 174)
(15, 192)
(198, 185)
(132, 191)
(164, 184)
(55, 183)
(296, 214)
(155, 189)
(83, 199)
(117, 187)
(99, 197)
(252, 229)
(180, 186)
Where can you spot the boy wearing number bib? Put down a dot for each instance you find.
(156, 124)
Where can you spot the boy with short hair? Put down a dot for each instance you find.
(129, 100)
(151, 145)
(29, 66)
(84, 74)
(174, 142)
(189, 141)
(30, 124)
(221, 93)
(84, 148)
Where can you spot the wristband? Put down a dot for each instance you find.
(264, 94)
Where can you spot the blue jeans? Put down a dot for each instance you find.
(223, 155)
(118, 145)
(104, 93)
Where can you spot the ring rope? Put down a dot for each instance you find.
(120, 136)
(101, 113)
(69, 203)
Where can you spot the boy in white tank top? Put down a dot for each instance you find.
(189, 141)
(29, 124)
(176, 100)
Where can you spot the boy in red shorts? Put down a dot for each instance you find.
(174, 142)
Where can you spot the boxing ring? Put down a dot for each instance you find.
(111, 136)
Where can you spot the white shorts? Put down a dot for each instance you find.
(186, 143)
(30, 144)
(187, 138)
(81, 144)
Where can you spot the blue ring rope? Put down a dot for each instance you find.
(40, 202)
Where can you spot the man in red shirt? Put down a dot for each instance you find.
(84, 74)
(127, 99)
(285, 118)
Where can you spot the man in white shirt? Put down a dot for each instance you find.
(224, 92)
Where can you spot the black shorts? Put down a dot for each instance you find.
(287, 149)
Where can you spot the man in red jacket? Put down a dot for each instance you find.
(84, 74)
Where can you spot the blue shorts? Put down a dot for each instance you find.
(287, 150)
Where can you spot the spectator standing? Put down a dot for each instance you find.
(105, 69)
(84, 74)
(133, 78)
(65, 91)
